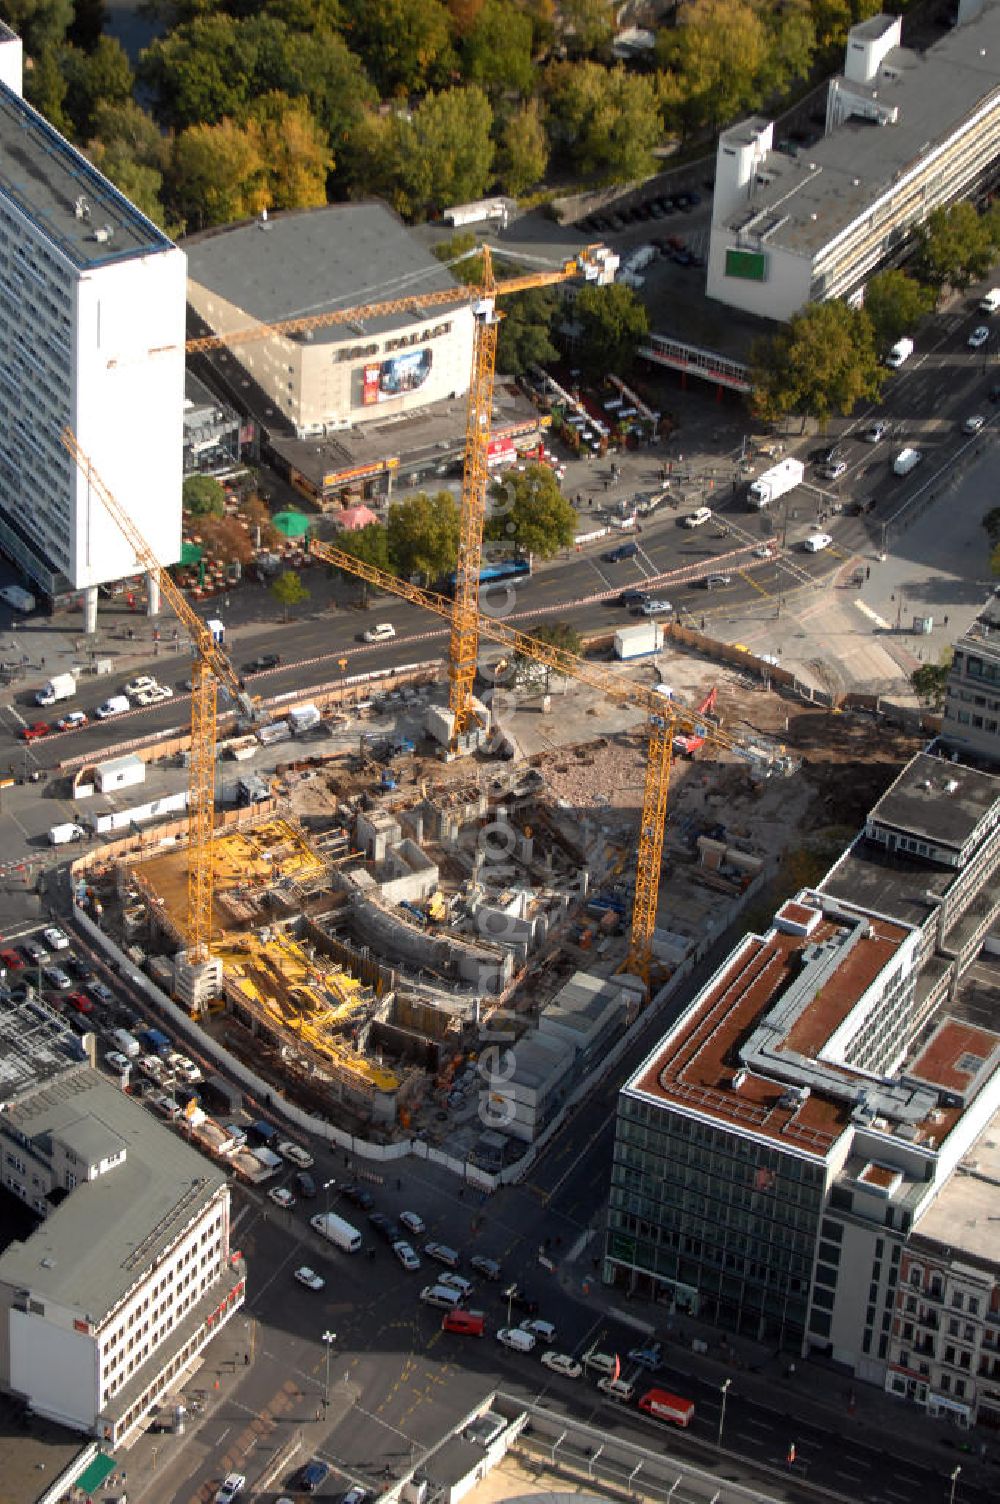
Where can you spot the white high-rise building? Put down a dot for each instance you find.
(92, 328)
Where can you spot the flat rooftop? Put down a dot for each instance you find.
(817, 194)
(870, 879)
(36, 1047)
(938, 801)
(315, 261)
(962, 1217)
(755, 1049)
(54, 186)
(91, 1250)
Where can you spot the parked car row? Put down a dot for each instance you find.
(660, 207)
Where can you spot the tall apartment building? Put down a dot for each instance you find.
(777, 1150)
(92, 329)
(131, 1273)
(971, 719)
(906, 131)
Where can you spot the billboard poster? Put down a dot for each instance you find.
(396, 376)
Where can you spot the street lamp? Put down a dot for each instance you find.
(326, 1186)
(722, 1414)
(329, 1339)
(954, 1480)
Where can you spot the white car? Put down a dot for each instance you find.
(562, 1363)
(153, 1067)
(232, 1484)
(973, 424)
(281, 1197)
(543, 1330)
(413, 1223)
(187, 1070)
(309, 1278)
(978, 337)
(456, 1282)
(139, 685)
(383, 632)
(295, 1155)
(72, 721)
(816, 542)
(55, 939)
(406, 1256)
(515, 1339)
(698, 518)
(117, 1061)
(655, 608)
(154, 694)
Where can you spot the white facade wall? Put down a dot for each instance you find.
(100, 349)
(784, 292)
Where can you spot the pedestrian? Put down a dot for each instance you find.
(246, 1360)
(945, 622)
(399, 1183)
(606, 483)
(41, 661)
(868, 571)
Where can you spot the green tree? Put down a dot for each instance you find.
(955, 246)
(524, 149)
(440, 155)
(218, 173)
(497, 50)
(557, 634)
(603, 121)
(530, 512)
(929, 682)
(95, 79)
(288, 590)
(405, 43)
(129, 149)
(199, 72)
(369, 545)
(89, 20)
(296, 151)
(39, 23)
(791, 45)
(423, 535)
(586, 26)
(895, 302)
(525, 337)
(714, 59)
(991, 522)
(203, 496)
(45, 88)
(613, 323)
(824, 362)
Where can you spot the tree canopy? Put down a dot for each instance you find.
(895, 302)
(288, 590)
(530, 513)
(423, 535)
(957, 245)
(823, 363)
(203, 496)
(525, 336)
(612, 323)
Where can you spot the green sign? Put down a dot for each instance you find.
(750, 265)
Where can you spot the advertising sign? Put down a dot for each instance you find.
(395, 377)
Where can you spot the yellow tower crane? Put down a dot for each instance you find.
(594, 264)
(211, 667)
(666, 718)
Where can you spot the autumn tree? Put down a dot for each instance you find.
(713, 58)
(441, 154)
(529, 512)
(405, 43)
(524, 149)
(423, 535)
(895, 302)
(218, 173)
(823, 362)
(930, 680)
(296, 151)
(288, 590)
(586, 26)
(603, 121)
(497, 50)
(40, 24)
(956, 246)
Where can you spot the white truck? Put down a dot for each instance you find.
(900, 352)
(781, 478)
(336, 1231)
(482, 211)
(60, 835)
(639, 641)
(59, 687)
(21, 600)
(991, 302)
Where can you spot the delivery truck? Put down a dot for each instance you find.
(639, 641)
(336, 1231)
(664, 1406)
(20, 600)
(61, 835)
(59, 687)
(781, 478)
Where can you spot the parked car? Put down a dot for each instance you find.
(413, 1223)
(457, 1282)
(70, 722)
(875, 431)
(295, 1154)
(649, 1357)
(309, 1278)
(834, 470)
(358, 1196)
(521, 1300)
(978, 337)
(488, 1268)
(562, 1363)
(973, 424)
(136, 686)
(655, 608)
(442, 1253)
(57, 978)
(384, 631)
(117, 1061)
(232, 1485)
(261, 662)
(313, 1475)
(305, 1185)
(35, 731)
(515, 1339)
(389, 1231)
(79, 1002)
(281, 1197)
(55, 938)
(11, 959)
(34, 952)
(405, 1254)
(543, 1330)
(699, 517)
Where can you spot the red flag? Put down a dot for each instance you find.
(791, 1453)
(617, 1368)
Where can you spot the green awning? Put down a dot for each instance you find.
(96, 1473)
(190, 553)
(292, 524)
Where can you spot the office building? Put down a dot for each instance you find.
(91, 338)
(905, 132)
(778, 1148)
(130, 1273)
(970, 722)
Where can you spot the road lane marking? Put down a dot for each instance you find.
(873, 616)
(749, 580)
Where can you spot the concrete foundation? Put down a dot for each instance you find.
(152, 592)
(90, 610)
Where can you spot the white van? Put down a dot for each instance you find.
(901, 351)
(116, 705)
(380, 633)
(596, 1362)
(126, 1044)
(905, 461)
(442, 1296)
(991, 302)
(516, 1340)
(816, 542)
(622, 1390)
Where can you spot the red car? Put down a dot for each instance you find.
(80, 1002)
(12, 960)
(32, 733)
